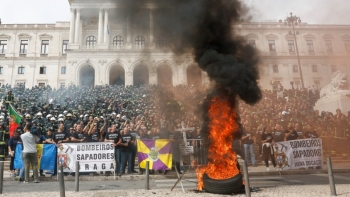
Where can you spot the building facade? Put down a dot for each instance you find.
(102, 44)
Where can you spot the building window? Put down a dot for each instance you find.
(63, 70)
(23, 47)
(160, 43)
(118, 42)
(64, 46)
(291, 46)
(314, 68)
(295, 68)
(44, 46)
(21, 70)
(139, 42)
(1, 69)
(90, 41)
(297, 84)
(347, 45)
(3, 46)
(41, 84)
(275, 68)
(62, 85)
(272, 46)
(42, 70)
(329, 46)
(252, 43)
(333, 68)
(310, 46)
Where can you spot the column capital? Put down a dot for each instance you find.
(101, 9)
(106, 10)
(72, 10)
(78, 9)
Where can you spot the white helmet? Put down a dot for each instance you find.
(60, 120)
(39, 114)
(53, 118)
(2, 118)
(48, 116)
(65, 112)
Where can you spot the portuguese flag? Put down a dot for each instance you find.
(15, 120)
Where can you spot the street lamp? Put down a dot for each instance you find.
(294, 21)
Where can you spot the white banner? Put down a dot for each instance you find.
(297, 154)
(97, 156)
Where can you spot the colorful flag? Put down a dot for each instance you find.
(46, 156)
(157, 152)
(15, 120)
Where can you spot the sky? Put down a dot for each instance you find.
(310, 11)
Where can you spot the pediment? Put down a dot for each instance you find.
(309, 36)
(5, 36)
(345, 36)
(23, 35)
(271, 36)
(328, 36)
(252, 35)
(45, 36)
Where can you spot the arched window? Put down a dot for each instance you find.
(160, 43)
(118, 42)
(90, 41)
(139, 42)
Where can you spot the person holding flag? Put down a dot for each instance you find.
(15, 119)
(9, 98)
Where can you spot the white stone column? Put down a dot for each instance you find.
(71, 29)
(77, 24)
(100, 26)
(128, 33)
(105, 27)
(151, 27)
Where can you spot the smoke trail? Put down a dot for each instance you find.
(205, 28)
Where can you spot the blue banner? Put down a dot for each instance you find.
(46, 156)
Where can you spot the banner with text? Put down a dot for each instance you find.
(299, 153)
(91, 156)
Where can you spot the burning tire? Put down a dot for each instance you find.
(226, 186)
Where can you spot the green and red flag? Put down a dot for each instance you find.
(15, 119)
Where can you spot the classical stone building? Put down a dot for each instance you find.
(103, 45)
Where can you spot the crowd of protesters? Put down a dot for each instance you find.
(121, 114)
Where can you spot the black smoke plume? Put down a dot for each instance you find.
(206, 29)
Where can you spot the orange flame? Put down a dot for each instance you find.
(222, 160)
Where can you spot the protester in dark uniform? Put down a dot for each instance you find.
(78, 135)
(4, 136)
(290, 133)
(59, 137)
(114, 136)
(248, 144)
(268, 152)
(9, 98)
(135, 135)
(175, 138)
(278, 135)
(299, 130)
(93, 134)
(126, 150)
(310, 133)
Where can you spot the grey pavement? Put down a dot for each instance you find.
(282, 185)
